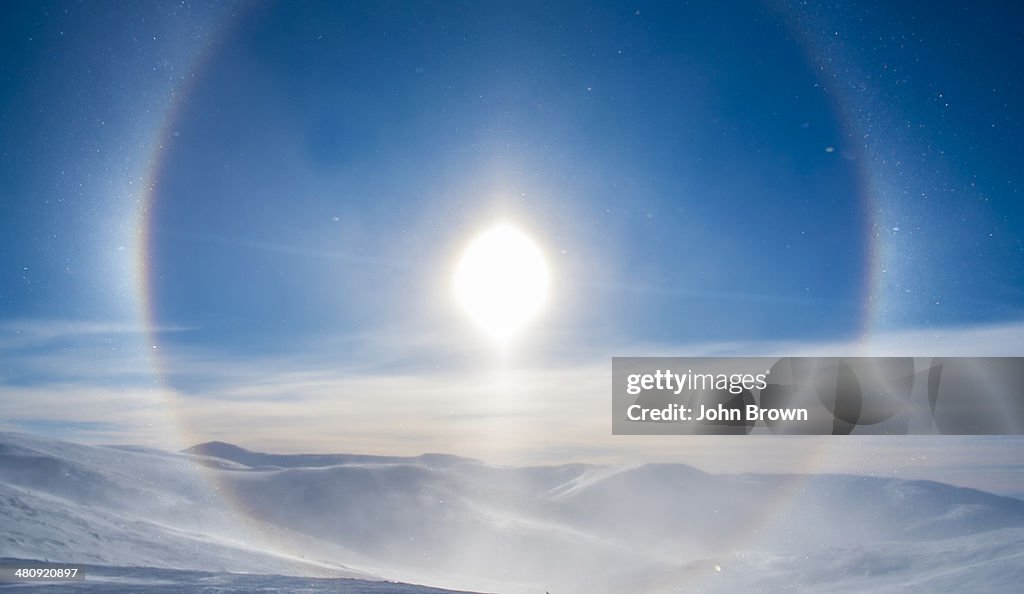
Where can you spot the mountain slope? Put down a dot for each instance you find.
(148, 580)
(460, 523)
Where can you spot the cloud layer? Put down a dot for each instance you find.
(104, 383)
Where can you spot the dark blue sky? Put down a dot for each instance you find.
(695, 171)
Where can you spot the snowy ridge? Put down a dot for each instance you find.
(459, 523)
(148, 580)
(247, 458)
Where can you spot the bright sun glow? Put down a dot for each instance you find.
(502, 281)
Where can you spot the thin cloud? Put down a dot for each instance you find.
(27, 333)
(527, 415)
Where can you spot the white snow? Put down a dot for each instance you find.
(458, 523)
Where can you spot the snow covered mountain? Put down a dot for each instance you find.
(219, 510)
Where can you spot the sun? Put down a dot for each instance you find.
(501, 281)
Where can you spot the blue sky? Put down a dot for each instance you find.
(658, 169)
(289, 184)
(696, 172)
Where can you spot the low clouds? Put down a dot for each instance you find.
(110, 388)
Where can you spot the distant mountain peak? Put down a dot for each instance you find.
(240, 455)
(216, 448)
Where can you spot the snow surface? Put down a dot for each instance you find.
(148, 580)
(214, 515)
